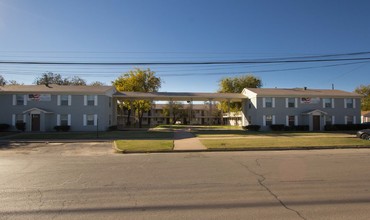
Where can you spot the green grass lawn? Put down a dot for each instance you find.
(284, 142)
(144, 145)
(163, 140)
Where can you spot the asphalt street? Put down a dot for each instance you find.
(89, 181)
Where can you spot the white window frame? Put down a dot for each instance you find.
(353, 103)
(15, 99)
(85, 119)
(348, 117)
(264, 102)
(88, 98)
(295, 105)
(60, 100)
(331, 103)
(295, 120)
(265, 120)
(59, 119)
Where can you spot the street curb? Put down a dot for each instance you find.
(57, 141)
(241, 149)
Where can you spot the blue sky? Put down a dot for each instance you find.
(191, 30)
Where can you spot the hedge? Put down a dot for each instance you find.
(252, 127)
(348, 127)
(4, 127)
(62, 128)
(21, 126)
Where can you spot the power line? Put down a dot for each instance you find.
(182, 63)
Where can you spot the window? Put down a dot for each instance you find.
(19, 118)
(268, 102)
(90, 120)
(349, 103)
(328, 103)
(349, 120)
(328, 120)
(268, 120)
(291, 120)
(291, 102)
(20, 99)
(64, 120)
(91, 100)
(64, 100)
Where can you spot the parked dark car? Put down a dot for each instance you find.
(364, 134)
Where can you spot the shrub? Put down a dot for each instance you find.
(64, 128)
(297, 128)
(113, 128)
(4, 127)
(252, 127)
(277, 127)
(21, 126)
(343, 127)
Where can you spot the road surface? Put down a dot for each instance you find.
(89, 181)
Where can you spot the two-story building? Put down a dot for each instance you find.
(300, 106)
(91, 108)
(41, 108)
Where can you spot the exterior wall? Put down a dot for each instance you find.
(255, 111)
(50, 111)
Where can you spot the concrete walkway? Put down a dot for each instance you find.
(184, 140)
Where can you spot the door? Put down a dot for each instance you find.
(316, 123)
(35, 121)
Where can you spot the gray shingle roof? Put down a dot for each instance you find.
(301, 92)
(55, 89)
(180, 96)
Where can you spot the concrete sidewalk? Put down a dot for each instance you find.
(184, 140)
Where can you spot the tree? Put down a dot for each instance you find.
(49, 78)
(52, 78)
(137, 80)
(76, 81)
(365, 100)
(96, 83)
(2, 81)
(178, 111)
(236, 85)
(13, 82)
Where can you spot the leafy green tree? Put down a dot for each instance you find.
(365, 100)
(137, 80)
(236, 85)
(178, 111)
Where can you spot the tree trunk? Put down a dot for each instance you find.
(128, 122)
(141, 114)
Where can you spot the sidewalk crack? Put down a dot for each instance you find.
(261, 179)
